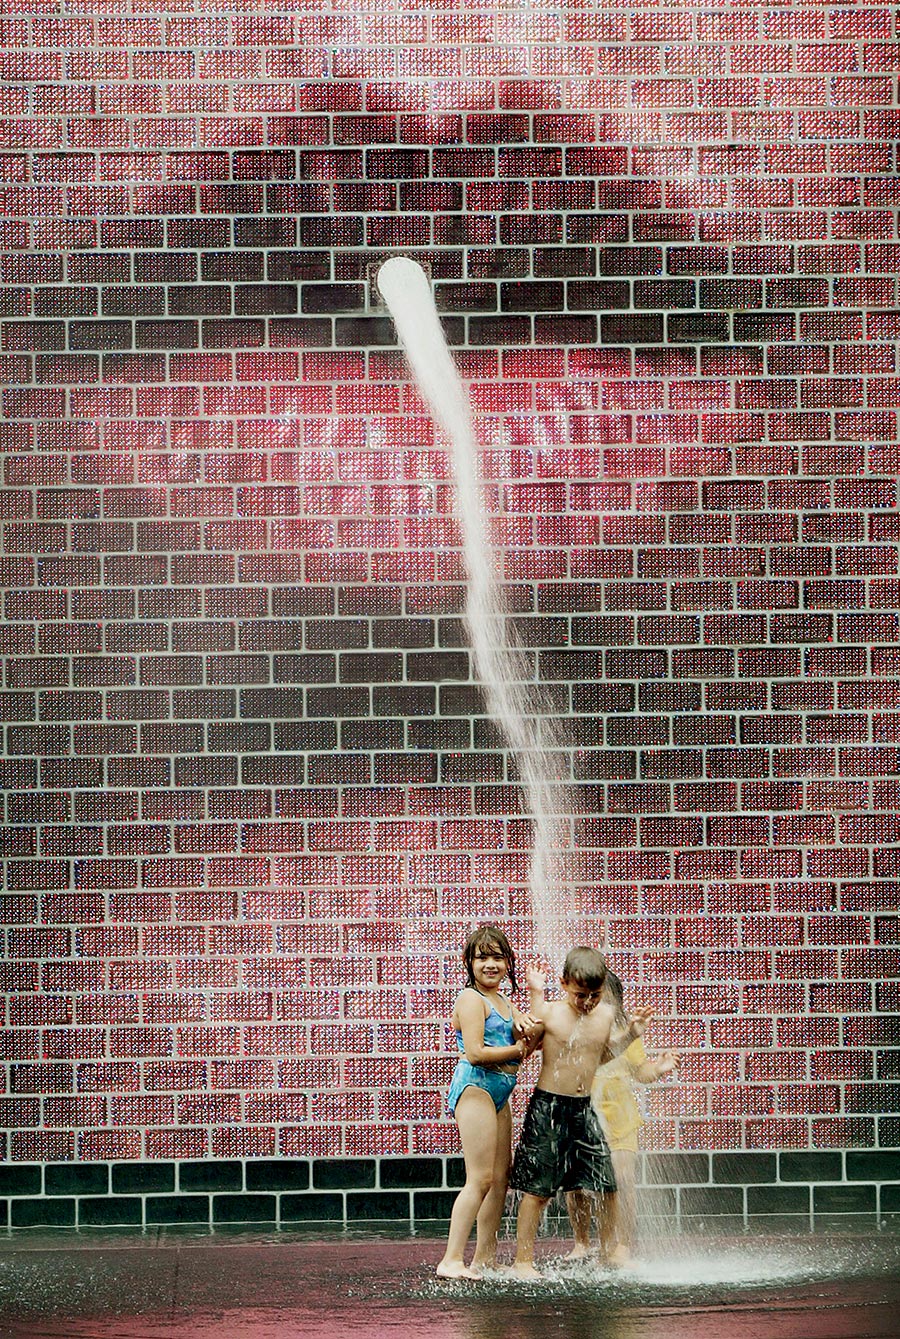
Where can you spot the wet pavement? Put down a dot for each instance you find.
(277, 1286)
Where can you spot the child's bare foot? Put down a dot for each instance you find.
(578, 1251)
(524, 1269)
(455, 1269)
(619, 1256)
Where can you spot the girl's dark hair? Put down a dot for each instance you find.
(489, 937)
(616, 992)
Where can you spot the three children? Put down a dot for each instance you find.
(562, 1145)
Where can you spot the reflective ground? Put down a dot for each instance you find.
(256, 1286)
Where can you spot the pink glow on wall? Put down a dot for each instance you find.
(252, 800)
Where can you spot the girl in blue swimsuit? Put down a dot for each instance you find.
(493, 1039)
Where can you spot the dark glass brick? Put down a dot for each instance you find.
(709, 1202)
(631, 329)
(331, 702)
(100, 335)
(312, 1208)
(533, 295)
(499, 330)
(278, 1175)
(839, 1199)
(346, 1174)
(731, 293)
(498, 263)
(778, 1199)
(135, 300)
(810, 1167)
(379, 1206)
(371, 736)
(137, 233)
(324, 298)
(139, 1178)
(702, 328)
(742, 1168)
(266, 232)
(42, 1213)
(363, 332)
(300, 332)
(66, 1179)
(66, 302)
(233, 334)
(673, 1169)
(265, 299)
(439, 734)
(411, 701)
(339, 771)
(109, 1211)
(763, 328)
(209, 1176)
(297, 266)
(176, 334)
(244, 1208)
(203, 234)
(200, 300)
(338, 231)
(167, 267)
(565, 330)
(176, 1209)
(873, 1166)
(438, 666)
(20, 1180)
(432, 1205)
(662, 294)
(598, 295)
(410, 1173)
(302, 668)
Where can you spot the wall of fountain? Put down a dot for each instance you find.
(255, 796)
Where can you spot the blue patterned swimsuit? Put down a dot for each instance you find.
(498, 1031)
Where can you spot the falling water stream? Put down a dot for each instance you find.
(501, 666)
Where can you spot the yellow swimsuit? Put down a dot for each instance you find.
(612, 1094)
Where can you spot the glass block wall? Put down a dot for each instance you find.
(254, 801)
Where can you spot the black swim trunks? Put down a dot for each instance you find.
(562, 1147)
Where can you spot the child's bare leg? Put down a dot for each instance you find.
(607, 1226)
(487, 1224)
(578, 1205)
(476, 1117)
(623, 1161)
(531, 1210)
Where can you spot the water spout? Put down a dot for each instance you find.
(499, 662)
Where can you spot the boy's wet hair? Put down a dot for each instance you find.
(616, 992)
(585, 966)
(490, 937)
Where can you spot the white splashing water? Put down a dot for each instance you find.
(501, 667)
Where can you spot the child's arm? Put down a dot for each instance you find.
(470, 1014)
(656, 1067)
(621, 1038)
(536, 982)
(529, 1028)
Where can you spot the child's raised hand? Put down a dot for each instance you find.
(639, 1020)
(668, 1061)
(535, 979)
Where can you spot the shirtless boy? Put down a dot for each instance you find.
(562, 1144)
